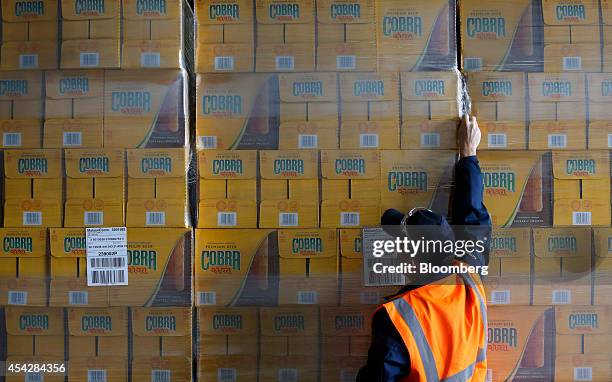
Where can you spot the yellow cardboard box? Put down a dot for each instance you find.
(599, 93)
(29, 55)
(49, 377)
(21, 109)
(68, 271)
(144, 109)
(562, 266)
(234, 267)
(308, 135)
(231, 367)
(33, 188)
(158, 368)
(430, 110)
(595, 367)
(161, 333)
(227, 189)
(498, 100)
(582, 188)
(415, 178)
(285, 57)
(347, 56)
(157, 188)
(308, 266)
(211, 58)
(509, 278)
(517, 187)
(602, 272)
(29, 20)
(557, 111)
(369, 97)
(233, 111)
(228, 331)
(369, 135)
(497, 35)
(582, 329)
(308, 97)
(97, 332)
(282, 21)
(34, 332)
(95, 187)
(112, 368)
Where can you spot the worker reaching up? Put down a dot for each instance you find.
(436, 329)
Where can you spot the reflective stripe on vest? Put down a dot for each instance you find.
(425, 352)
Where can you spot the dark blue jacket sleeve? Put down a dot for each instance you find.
(388, 359)
(469, 216)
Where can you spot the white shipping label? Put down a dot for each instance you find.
(107, 256)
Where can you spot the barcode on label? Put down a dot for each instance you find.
(349, 219)
(226, 375)
(11, 139)
(107, 262)
(581, 218)
(89, 59)
(155, 218)
(430, 140)
(32, 218)
(73, 138)
(17, 297)
(572, 63)
(94, 218)
(208, 142)
(472, 63)
(348, 375)
(609, 140)
(287, 375)
(346, 62)
(224, 63)
(496, 140)
(150, 60)
(207, 298)
(557, 141)
(28, 61)
(33, 377)
(108, 277)
(285, 63)
(500, 297)
(78, 298)
(96, 375)
(583, 374)
(161, 376)
(288, 219)
(369, 298)
(368, 140)
(226, 219)
(307, 297)
(308, 141)
(561, 296)
(385, 279)
(489, 377)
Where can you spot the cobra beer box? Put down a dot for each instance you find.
(602, 269)
(29, 20)
(236, 267)
(517, 187)
(231, 367)
(571, 36)
(225, 36)
(109, 368)
(582, 329)
(144, 109)
(161, 343)
(29, 55)
(91, 33)
(430, 110)
(95, 191)
(157, 188)
(21, 109)
(68, 271)
(308, 111)
(285, 36)
(74, 109)
(599, 86)
(24, 267)
(350, 188)
(416, 178)
(562, 265)
(227, 189)
(594, 367)
(308, 266)
(289, 189)
(498, 35)
(368, 97)
(33, 188)
(419, 35)
(581, 188)
(509, 281)
(152, 34)
(345, 337)
(97, 332)
(233, 111)
(499, 102)
(520, 343)
(34, 332)
(557, 111)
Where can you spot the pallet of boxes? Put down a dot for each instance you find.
(94, 140)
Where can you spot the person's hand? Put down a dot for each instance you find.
(468, 136)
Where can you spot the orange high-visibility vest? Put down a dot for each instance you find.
(444, 328)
